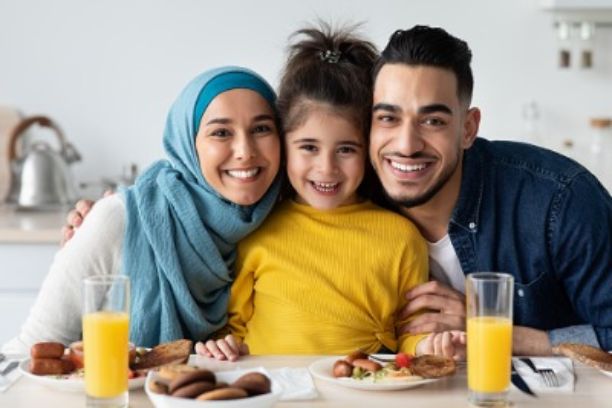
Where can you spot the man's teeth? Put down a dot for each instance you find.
(325, 187)
(408, 167)
(244, 174)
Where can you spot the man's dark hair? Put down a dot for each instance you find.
(431, 46)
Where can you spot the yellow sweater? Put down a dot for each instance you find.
(326, 282)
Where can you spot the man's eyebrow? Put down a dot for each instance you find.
(436, 107)
(386, 107)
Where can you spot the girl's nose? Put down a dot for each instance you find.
(326, 164)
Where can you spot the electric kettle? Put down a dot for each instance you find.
(41, 178)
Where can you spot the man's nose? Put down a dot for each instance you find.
(410, 140)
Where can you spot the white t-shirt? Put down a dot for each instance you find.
(444, 265)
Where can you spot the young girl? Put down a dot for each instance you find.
(174, 233)
(326, 272)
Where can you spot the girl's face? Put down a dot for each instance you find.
(325, 160)
(238, 146)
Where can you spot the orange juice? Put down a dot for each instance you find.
(489, 350)
(105, 343)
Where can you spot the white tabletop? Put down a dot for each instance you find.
(593, 389)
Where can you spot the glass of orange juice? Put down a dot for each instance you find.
(106, 302)
(489, 337)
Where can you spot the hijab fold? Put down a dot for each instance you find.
(181, 235)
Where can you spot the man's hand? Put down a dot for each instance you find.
(75, 217)
(530, 342)
(444, 309)
(449, 344)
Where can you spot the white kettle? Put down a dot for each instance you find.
(41, 178)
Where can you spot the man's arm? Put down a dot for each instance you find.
(580, 228)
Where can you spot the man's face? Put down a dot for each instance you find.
(419, 131)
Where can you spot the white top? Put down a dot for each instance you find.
(444, 264)
(95, 249)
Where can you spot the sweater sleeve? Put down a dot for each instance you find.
(241, 298)
(414, 271)
(95, 249)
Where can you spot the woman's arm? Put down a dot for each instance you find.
(94, 250)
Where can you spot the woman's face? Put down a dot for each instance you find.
(238, 146)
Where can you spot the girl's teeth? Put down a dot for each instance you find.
(325, 187)
(407, 168)
(243, 174)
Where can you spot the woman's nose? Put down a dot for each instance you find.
(244, 148)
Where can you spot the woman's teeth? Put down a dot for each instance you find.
(407, 168)
(244, 174)
(324, 187)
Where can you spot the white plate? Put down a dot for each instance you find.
(259, 401)
(61, 383)
(322, 369)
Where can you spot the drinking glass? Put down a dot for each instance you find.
(489, 337)
(105, 340)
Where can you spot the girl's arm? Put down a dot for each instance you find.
(94, 250)
(240, 310)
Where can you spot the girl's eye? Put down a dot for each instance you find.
(347, 150)
(222, 133)
(308, 148)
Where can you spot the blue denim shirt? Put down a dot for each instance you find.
(547, 221)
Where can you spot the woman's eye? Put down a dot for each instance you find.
(262, 129)
(220, 133)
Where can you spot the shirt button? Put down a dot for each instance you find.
(472, 225)
(520, 292)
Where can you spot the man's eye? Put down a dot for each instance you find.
(385, 118)
(434, 121)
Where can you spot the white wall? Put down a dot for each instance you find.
(107, 70)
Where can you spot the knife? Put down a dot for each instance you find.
(9, 367)
(519, 383)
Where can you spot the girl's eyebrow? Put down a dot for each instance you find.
(225, 121)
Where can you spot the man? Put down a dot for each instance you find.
(488, 206)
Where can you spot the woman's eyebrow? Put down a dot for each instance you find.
(265, 116)
(220, 121)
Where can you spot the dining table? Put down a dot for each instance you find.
(592, 389)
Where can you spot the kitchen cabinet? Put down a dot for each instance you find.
(28, 243)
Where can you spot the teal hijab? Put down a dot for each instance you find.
(181, 235)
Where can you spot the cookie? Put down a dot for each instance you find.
(430, 366)
(253, 383)
(172, 371)
(190, 377)
(193, 389)
(227, 393)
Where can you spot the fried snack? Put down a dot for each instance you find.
(158, 387)
(47, 350)
(253, 383)
(47, 366)
(591, 356)
(342, 368)
(430, 366)
(223, 394)
(192, 377)
(171, 371)
(175, 352)
(356, 355)
(367, 365)
(193, 389)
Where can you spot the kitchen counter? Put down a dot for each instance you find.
(30, 227)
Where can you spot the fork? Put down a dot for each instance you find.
(548, 376)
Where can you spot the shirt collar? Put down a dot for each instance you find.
(467, 210)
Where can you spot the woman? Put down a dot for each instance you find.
(174, 232)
